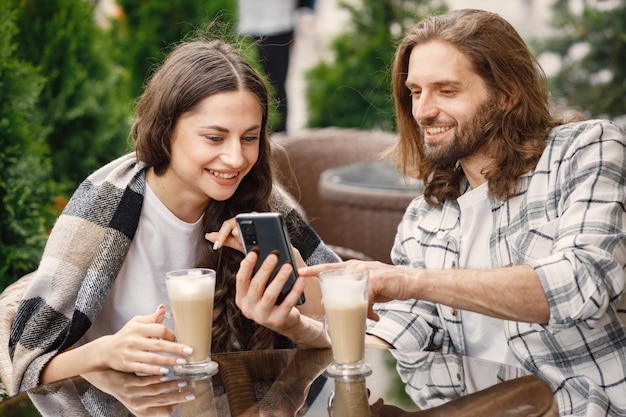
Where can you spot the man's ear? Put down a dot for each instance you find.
(507, 101)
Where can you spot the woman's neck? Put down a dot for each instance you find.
(182, 204)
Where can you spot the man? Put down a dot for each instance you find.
(516, 250)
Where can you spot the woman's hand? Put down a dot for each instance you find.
(142, 395)
(140, 346)
(257, 301)
(137, 347)
(228, 235)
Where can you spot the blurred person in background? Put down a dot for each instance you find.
(272, 24)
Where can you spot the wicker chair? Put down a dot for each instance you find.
(362, 227)
(9, 300)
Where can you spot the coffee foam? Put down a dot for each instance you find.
(340, 292)
(190, 289)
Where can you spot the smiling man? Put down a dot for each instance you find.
(516, 250)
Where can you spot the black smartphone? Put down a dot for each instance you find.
(267, 233)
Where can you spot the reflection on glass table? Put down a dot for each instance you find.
(294, 383)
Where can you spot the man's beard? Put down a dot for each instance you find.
(465, 142)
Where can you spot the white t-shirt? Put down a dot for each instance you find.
(483, 335)
(162, 243)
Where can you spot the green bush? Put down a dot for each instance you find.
(593, 80)
(85, 102)
(67, 87)
(26, 191)
(354, 90)
(150, 27)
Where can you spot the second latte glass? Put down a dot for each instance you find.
(344, 292)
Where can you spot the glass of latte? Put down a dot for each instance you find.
(191, 293)
(344, 292)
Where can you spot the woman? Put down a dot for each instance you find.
(201, 156)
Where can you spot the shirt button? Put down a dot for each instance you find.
(453, 311)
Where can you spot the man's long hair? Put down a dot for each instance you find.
(516, 138)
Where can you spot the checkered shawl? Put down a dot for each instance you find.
(569, 223)
(82, 258)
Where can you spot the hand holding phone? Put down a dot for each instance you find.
(267, 233)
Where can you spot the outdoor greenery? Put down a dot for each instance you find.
(354, 88)
(68, 86)
(84, 104)
(591, 45)
(26, 192)
(148, 28)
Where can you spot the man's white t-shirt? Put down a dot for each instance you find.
(162, 243)
(483, 335)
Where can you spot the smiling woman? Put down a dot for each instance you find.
(98, 300)
(213, 148)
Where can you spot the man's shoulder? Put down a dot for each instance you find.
(420, 212)
(420, 205)
(582, 133)
(591, 126)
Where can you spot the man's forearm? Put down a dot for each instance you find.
(510, 293)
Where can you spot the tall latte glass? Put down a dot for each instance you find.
(344, 292)
(191, 293)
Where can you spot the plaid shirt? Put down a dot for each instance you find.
(568, 223)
